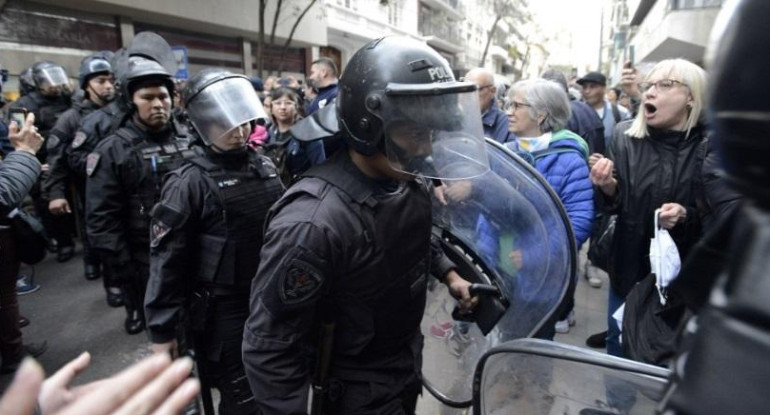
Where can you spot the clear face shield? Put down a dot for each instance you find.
(52, 79)
(223, 106)
(434, 131)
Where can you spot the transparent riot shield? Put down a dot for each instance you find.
(509, 234)
(537, 377)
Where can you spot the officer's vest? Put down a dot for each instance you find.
(156, 159)
(245, 197)
(378, 300)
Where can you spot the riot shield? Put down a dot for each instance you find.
(537, 377)
(509, 234)
(153, 46)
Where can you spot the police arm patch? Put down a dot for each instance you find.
(80, 138)
(300, 282)
(92, 161)
(158, 230)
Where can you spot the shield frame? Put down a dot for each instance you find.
(549, 349)
(432, 389)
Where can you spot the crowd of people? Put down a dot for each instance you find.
(178, 186)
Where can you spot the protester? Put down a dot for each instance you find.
(651, 165)
(153, 385)
(291, 156)
(538, 112)
(493, 119)
(19, 171)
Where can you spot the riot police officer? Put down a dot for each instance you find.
(124, 180)
(348, 249)
(96, 81)
(48, 97)
(206, 231)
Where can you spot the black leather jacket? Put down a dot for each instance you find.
(657, 169)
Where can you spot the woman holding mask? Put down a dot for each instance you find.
(651, 165)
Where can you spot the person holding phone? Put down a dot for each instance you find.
(19, 171)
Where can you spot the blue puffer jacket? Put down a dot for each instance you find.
(567, 173)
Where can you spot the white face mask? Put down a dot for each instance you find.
(532, 144)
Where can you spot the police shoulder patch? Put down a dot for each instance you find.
(80, 138)
(158, 230)
(300, 282)
(92, 161)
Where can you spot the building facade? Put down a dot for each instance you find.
(213, 33)
(648, 31)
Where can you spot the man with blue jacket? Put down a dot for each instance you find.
(492, 117)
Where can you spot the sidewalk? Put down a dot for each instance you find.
(590, 306)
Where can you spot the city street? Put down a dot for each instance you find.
(71, 314)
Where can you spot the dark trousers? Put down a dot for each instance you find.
(10, 333)
(221, 346)
(395, 396)
(59, 227)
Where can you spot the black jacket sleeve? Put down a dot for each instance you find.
(274, 353)
(55, 185)
(107, 200)
(18, 173)
(175, 219)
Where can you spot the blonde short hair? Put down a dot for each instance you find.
(686, 72)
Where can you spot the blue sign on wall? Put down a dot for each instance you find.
(180, 52)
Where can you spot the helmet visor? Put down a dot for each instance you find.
(51, 77)
(223, 106)
(435, 134)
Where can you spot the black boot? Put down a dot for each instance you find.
(91, 271)
(65, 253)
(134, 323)
(115, 296)
(29, 349)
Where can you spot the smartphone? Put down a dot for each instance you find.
(631, 53)
(19, 115)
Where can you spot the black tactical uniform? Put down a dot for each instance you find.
(205, 235)
(347, 251)
(124, 182)
(92, 129)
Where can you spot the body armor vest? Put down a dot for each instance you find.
(245, 197)
(378, 301)
(154, 160)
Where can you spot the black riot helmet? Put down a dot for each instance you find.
(47, 75)
(740, 108)
(26, 83)
(91, 66)
(218, 101)
(399, 97)
(141, 72)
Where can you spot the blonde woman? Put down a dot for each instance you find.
(651, 165)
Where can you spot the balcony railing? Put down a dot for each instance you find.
(441, 28)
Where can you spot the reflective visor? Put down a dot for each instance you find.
(223, 106)
(52, 77)
(435, 133)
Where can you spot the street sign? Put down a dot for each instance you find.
(180, 53)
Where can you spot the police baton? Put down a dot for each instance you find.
(322, 367)
(200, 370)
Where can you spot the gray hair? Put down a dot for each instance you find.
(546, 98)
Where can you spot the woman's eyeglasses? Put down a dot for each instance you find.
(662, 85)
(286, 104)
(514, 105)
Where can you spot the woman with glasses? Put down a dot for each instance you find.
(291, 156)
(538, 111)
(652, 162)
